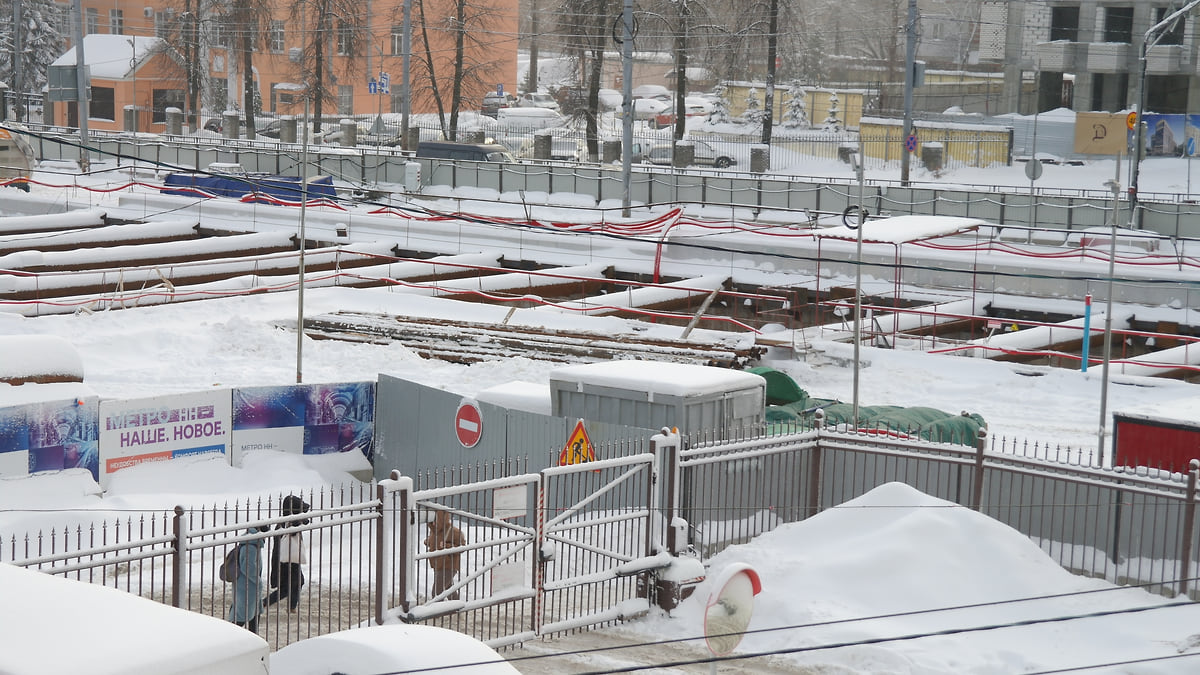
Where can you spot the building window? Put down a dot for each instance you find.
(64, 18)
(162, 25)
(345, 38)
(223, 34)
(103, 104)
(275, 37)
(92, 24)
(1064, 23)
(1118, 24)
(116, 21)
(1174, 34)
(397, 40)
(345, 99)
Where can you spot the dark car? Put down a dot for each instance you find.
(704, 154)
(494, 101)
(472, 152)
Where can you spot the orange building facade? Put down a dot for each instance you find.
(361, 52)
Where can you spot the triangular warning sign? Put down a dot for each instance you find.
(578, 448)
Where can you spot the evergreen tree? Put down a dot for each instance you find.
(832, 122)
(795, 113)
(720, 109)
(41, 43)
(753, 114)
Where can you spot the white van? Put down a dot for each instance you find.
(528, 118)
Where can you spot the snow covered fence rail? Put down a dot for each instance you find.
(1166, 213)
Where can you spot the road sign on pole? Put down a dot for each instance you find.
(468, 424)
(385, 83)
(372, 86)
(910, 143)
(579, 448)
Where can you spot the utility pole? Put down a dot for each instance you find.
(910, 63)
(81, 85)
(534, 29)
(405, 86)
(18, 64)
(626, 104)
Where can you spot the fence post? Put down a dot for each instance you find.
(539, 564)
(977, 484)
(665, 447)
(1189, 522)
(380, 545)
(814, 470)
(179, 557)
(403, 547)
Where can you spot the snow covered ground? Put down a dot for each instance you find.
(892, 551)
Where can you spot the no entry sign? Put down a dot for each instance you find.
(468, 424)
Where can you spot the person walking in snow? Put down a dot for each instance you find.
(247, 585)
(444, 535)
(287, 556)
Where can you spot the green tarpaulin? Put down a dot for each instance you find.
(788, 404)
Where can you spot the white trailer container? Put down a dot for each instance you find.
(652, 395)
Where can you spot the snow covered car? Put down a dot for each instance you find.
(705, 155)
(537, 100)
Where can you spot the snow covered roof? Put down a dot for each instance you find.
(112, 57)
(1182, 412)
(657, 377)
(903, 229)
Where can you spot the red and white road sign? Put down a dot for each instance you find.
(468, 424)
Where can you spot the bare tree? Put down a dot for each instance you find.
(455, 49)
(336, 24)
(244, 19)
(586, 28)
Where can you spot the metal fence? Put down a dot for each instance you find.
(768, 196)
(573, 547)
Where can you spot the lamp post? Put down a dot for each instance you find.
(1151, 38)
(405, 86)
(862, 217)
(303, 210)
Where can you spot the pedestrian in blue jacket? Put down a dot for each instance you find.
(247, 587)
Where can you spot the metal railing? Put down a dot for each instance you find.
(579, 546)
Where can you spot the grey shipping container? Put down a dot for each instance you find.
(653, 394)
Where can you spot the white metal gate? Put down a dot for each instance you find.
(568, 547)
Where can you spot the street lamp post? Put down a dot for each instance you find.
(1151, 38)
(858, 264)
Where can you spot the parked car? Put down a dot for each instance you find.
(473, 152)
(610, 99)
(528, 118)
(494, 101)
(694, 105)
(537, 100)
(656, 91)
(648, 108)
(705, 155)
